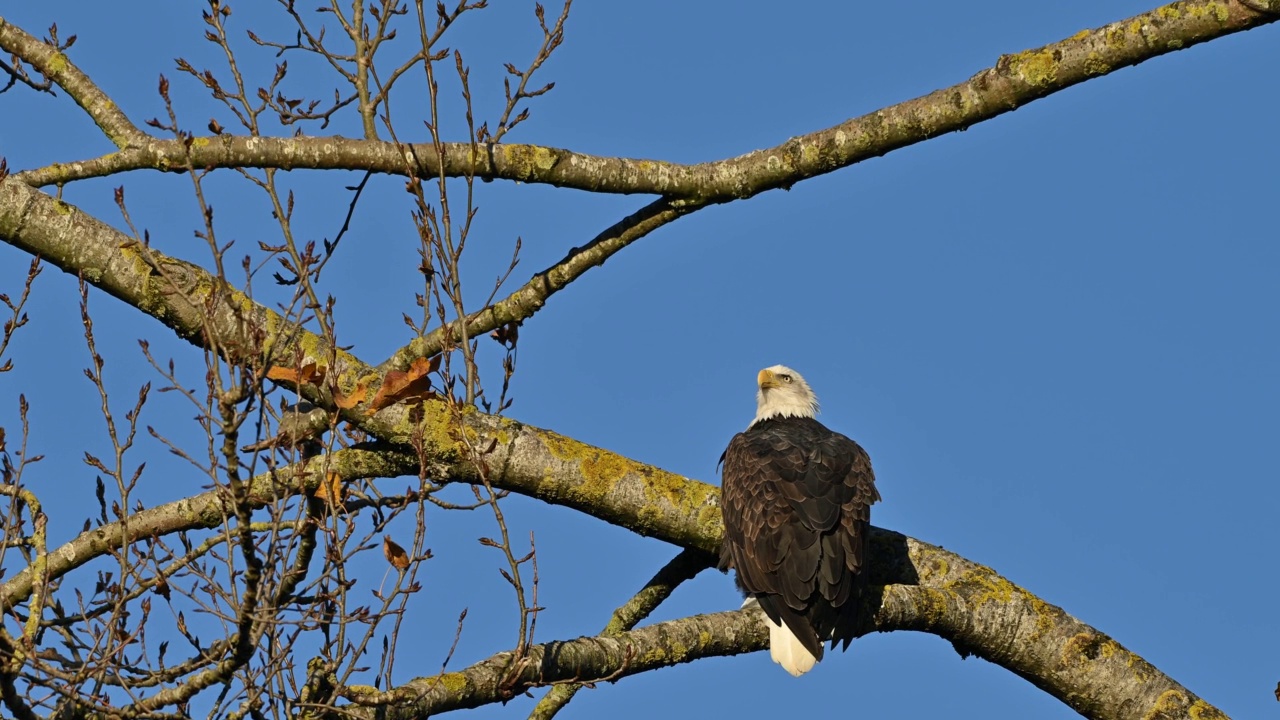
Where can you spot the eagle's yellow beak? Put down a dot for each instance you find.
(767, 380)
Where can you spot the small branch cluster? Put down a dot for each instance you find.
(18, 73)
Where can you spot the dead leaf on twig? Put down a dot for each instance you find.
(308, 374)
(507, 334)
(332, 490)
(399, 386)
(357, 396)
(395, 554)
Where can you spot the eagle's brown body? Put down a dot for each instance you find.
(797, 504)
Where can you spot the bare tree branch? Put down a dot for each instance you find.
(930, 590)
(1015, 80)
(528, 299)
(926, 589)
(56, 66)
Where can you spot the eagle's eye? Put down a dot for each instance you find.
(785, 378)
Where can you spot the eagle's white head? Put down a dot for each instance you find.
(783, 393)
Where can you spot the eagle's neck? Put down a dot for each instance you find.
(775, 405)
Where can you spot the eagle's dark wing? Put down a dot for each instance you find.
(797, 501)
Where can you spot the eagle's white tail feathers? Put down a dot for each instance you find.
(784, 647)
(787, 650)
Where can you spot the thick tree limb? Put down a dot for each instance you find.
(526, 459)
(927, 589)
(983, 613)
(1015, 80)
(585, 659)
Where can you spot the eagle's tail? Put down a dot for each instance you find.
(787, 650)
(785, 647)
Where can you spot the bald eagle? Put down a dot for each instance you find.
(797, 499)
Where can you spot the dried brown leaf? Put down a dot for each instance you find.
(398, 386)
(395, 554)
(332, 490)
(346, 402)
(309, 373)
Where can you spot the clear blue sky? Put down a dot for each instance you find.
(1055, 333)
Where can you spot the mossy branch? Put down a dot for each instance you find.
(1015, 80)
(923, 588)
(928, 589)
